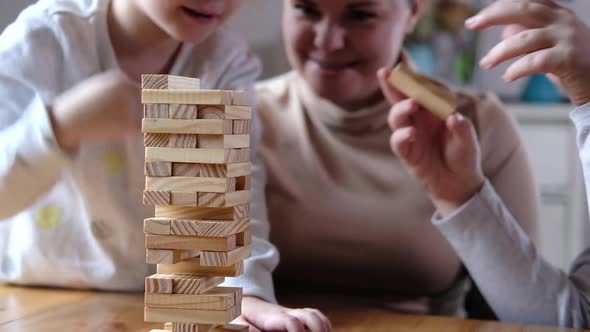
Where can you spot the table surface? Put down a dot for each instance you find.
(49, 310)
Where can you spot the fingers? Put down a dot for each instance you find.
(543, 61)
(390, 92)
(402, 141)
(242, 321)
(524, 42)
(313, 319)
(530, 14)
(401, 114)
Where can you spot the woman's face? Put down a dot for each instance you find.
(339, 45)
(189, 21)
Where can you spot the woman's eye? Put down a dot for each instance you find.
(307, 9)
(361, 15)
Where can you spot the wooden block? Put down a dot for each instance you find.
(179, 111)
(191, 184)
(193, 266)
(184, 198)
(211, 112)
(230, 328)
(161, 315)
(219, 298)
(227, 112)
(224, 200)
(207, 228)
(225, 228)
(198, 156)
(167, 256)
(156, 111)
(198, 126)
(200, 97)
(156, 140)
(241, 127)
(429, 93)
(188, 170)
(157, 168)
(225, 170)
(224, 141)
(181, 283)
(203, 213)
(156, 197)
(215, 258)
(190, 242)
(157, 226)
(243, 183)
(238, 112)
(244, 238)
(185, 141)
(189, 327)
(169, 82)
(238, 155)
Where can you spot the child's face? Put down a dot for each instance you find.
(189, 21)
(339, 45)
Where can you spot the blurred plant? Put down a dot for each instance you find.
(444, 19)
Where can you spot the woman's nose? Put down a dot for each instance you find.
(329, 36)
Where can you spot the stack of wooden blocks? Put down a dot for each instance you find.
(197, 176)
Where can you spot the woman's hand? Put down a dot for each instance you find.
(549, 39)
(264, 316)
(443, 155)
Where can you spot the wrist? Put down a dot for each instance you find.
(449, 204)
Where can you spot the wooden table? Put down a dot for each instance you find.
(46, 310)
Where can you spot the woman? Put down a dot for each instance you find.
(348, 221)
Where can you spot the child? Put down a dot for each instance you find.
(71, 153)
(514, 278)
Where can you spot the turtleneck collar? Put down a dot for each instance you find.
(363, 120)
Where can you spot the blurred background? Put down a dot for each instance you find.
(442, 48)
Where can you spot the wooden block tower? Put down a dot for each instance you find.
(197, 172)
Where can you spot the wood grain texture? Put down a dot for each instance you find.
(224, 141)
(200, 97)
(432, 95)
(156, 111)
(184, 141)
(216, 258)
(218, 298)
(181, 283)
(169, 82)
(180, 111)
(158, 169)
(207, 228)
(224, 200)
(161, 315)
(198, 126)
(193, 266)
(190, 242)
(197, 156)
(203, 213)
(156, 140)
(167, 256)
(241, 127)
(156, 197)
(191, 184)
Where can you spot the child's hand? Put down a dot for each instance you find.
(443, 156)
(105, 107)
(550, 38)
(263, 316)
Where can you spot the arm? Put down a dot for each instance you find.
(30, 158)
(514, 278)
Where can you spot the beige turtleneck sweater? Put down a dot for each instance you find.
(348, 219)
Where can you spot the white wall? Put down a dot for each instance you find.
(9, 9)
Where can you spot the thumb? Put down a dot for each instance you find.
(462, 142)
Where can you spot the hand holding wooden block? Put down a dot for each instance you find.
(429, 93)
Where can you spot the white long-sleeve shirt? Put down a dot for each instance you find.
(76, 221)
(512, 275)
